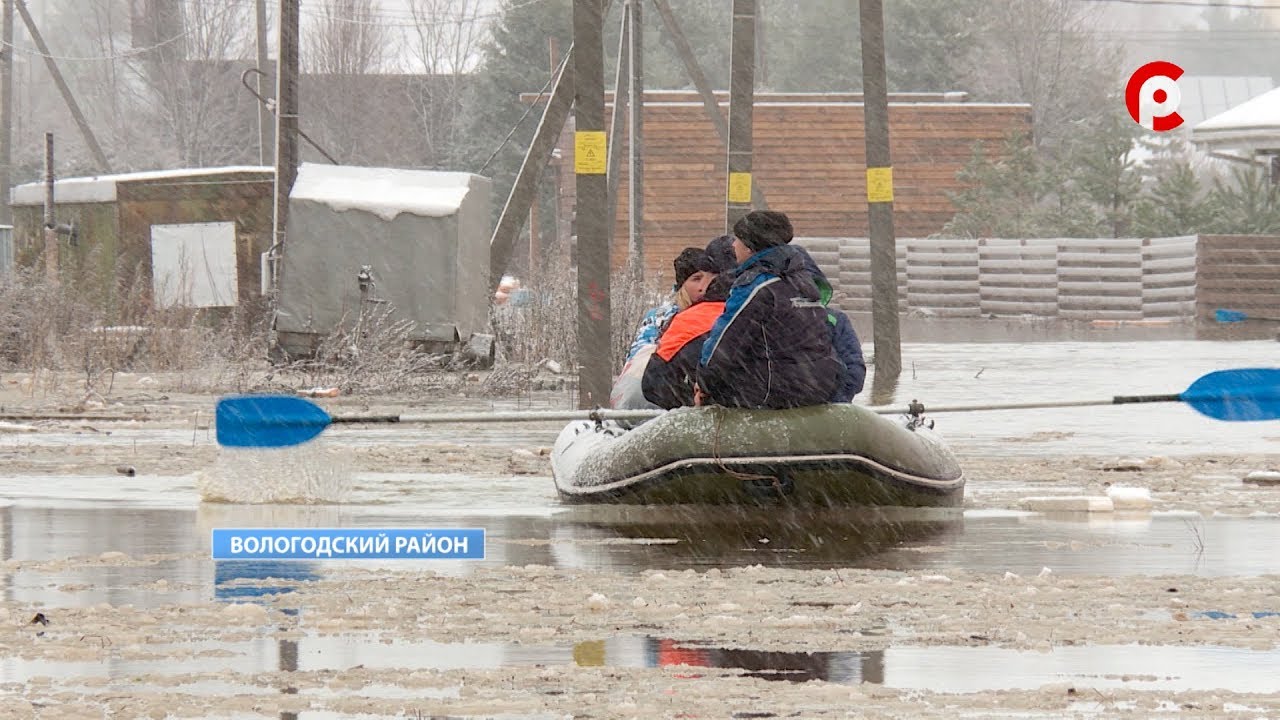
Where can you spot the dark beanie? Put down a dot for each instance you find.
(687, 262)
(718, 289)
(761, 229)
(719, 256)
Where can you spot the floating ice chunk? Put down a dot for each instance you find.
(246, 612)
(1068, 503)
(1129, 498)
(1263, 477)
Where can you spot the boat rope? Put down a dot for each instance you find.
(717, 415)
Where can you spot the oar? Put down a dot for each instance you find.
(283, 420)
(1241, 395)
(1235, 316)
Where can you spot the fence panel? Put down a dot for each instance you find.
(1018, 277)
(942, 277)
(1169, 277)
(1100, 278)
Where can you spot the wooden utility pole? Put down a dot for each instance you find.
(266, 123)
(51, 259)
(635, 186)
(525, 188)
(742, 64)
(286, 130)
(89, 138)
(6, 114)
(617, 121)
(884, 258)
(709, 103)
(590, 161)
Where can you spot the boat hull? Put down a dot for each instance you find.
(831, 455)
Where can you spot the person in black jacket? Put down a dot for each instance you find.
(772, 346)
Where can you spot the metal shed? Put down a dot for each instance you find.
(361, 239)
(189, 236)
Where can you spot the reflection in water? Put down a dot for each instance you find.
(939, 669)
(229, 585)
(702, 536)
(884, 388)
(836, 667)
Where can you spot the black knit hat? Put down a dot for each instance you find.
(719, 256)
(761, 229)
(687, 262)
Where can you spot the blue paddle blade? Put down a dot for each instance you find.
(268, 421)
(1241, 395)
(1229, 316)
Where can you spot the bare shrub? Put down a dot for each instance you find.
(52, 328)
(376, 353)
(546, 328)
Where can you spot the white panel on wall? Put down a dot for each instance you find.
(194, 264)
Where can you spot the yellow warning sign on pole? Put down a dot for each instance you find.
(590, 152)
(740, 188)
(880, 185)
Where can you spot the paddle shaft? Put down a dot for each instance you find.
(1118, 400)
(569, 415)
(503, 416)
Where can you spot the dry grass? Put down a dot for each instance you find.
(57, 331)
(547, 327)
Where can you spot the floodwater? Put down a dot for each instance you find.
(51, 517)
(938, 669)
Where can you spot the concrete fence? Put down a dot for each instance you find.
(1070, 278)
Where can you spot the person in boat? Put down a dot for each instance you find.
(691, 283)
(844, 338)
(669, 377)
(772, 346)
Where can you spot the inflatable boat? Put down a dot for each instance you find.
(828, 455)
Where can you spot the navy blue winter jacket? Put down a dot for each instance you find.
(772, 347)
(843, 337)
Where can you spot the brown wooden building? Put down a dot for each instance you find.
(809, 160)
(134, 230)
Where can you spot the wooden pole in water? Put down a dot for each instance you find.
(742, 63)
(590, 160)
(635, 184)
(884, 258)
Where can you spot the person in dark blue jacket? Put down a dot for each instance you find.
(845, 342)
(772, 347)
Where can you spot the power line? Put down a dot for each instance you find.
(132, 52)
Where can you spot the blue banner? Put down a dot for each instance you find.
(348, 544)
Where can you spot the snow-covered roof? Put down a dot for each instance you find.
(102, 188)
(1250, 126)
(385, 192)
(1204, 96)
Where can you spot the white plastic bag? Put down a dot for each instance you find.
(627, 392)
